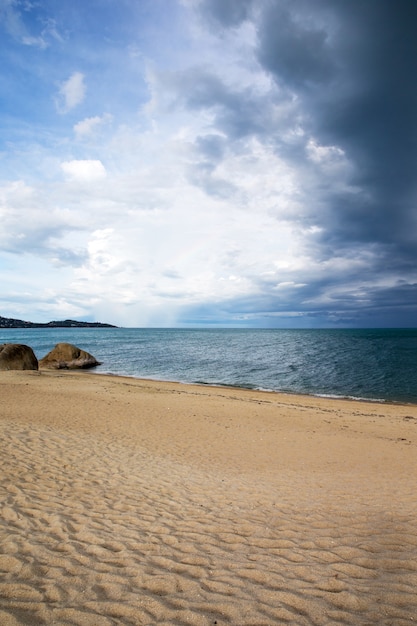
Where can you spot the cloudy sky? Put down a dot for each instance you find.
(209, 162)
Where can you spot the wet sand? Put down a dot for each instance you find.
(135, 502)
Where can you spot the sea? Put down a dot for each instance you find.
(369, 364)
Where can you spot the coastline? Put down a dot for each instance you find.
(297, 394)
(135, 501)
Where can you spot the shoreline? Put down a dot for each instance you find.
(202, 384)
(131, 501)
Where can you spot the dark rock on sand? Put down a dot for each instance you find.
(17, 356)
(67, 356)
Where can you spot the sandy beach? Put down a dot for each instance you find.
(136, 502)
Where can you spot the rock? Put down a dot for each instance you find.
(69, 357)
(17, 356)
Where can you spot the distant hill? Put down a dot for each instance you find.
(8, 322)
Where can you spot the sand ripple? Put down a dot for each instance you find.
(99, 532)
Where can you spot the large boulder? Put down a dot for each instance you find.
(17, 356)
(68, 357)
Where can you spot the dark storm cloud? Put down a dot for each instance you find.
(353, 64)
(350, 66)
(388, 307)
(226, 12)
(236, 109)
(296, 52)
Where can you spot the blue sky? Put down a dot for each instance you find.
(209, 162)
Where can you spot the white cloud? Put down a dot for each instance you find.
(84, 170)
(71, 92)
(88, 126)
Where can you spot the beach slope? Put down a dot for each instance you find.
(136, 502)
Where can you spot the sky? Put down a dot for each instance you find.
(192, 163)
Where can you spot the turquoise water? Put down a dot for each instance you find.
(369, 364)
